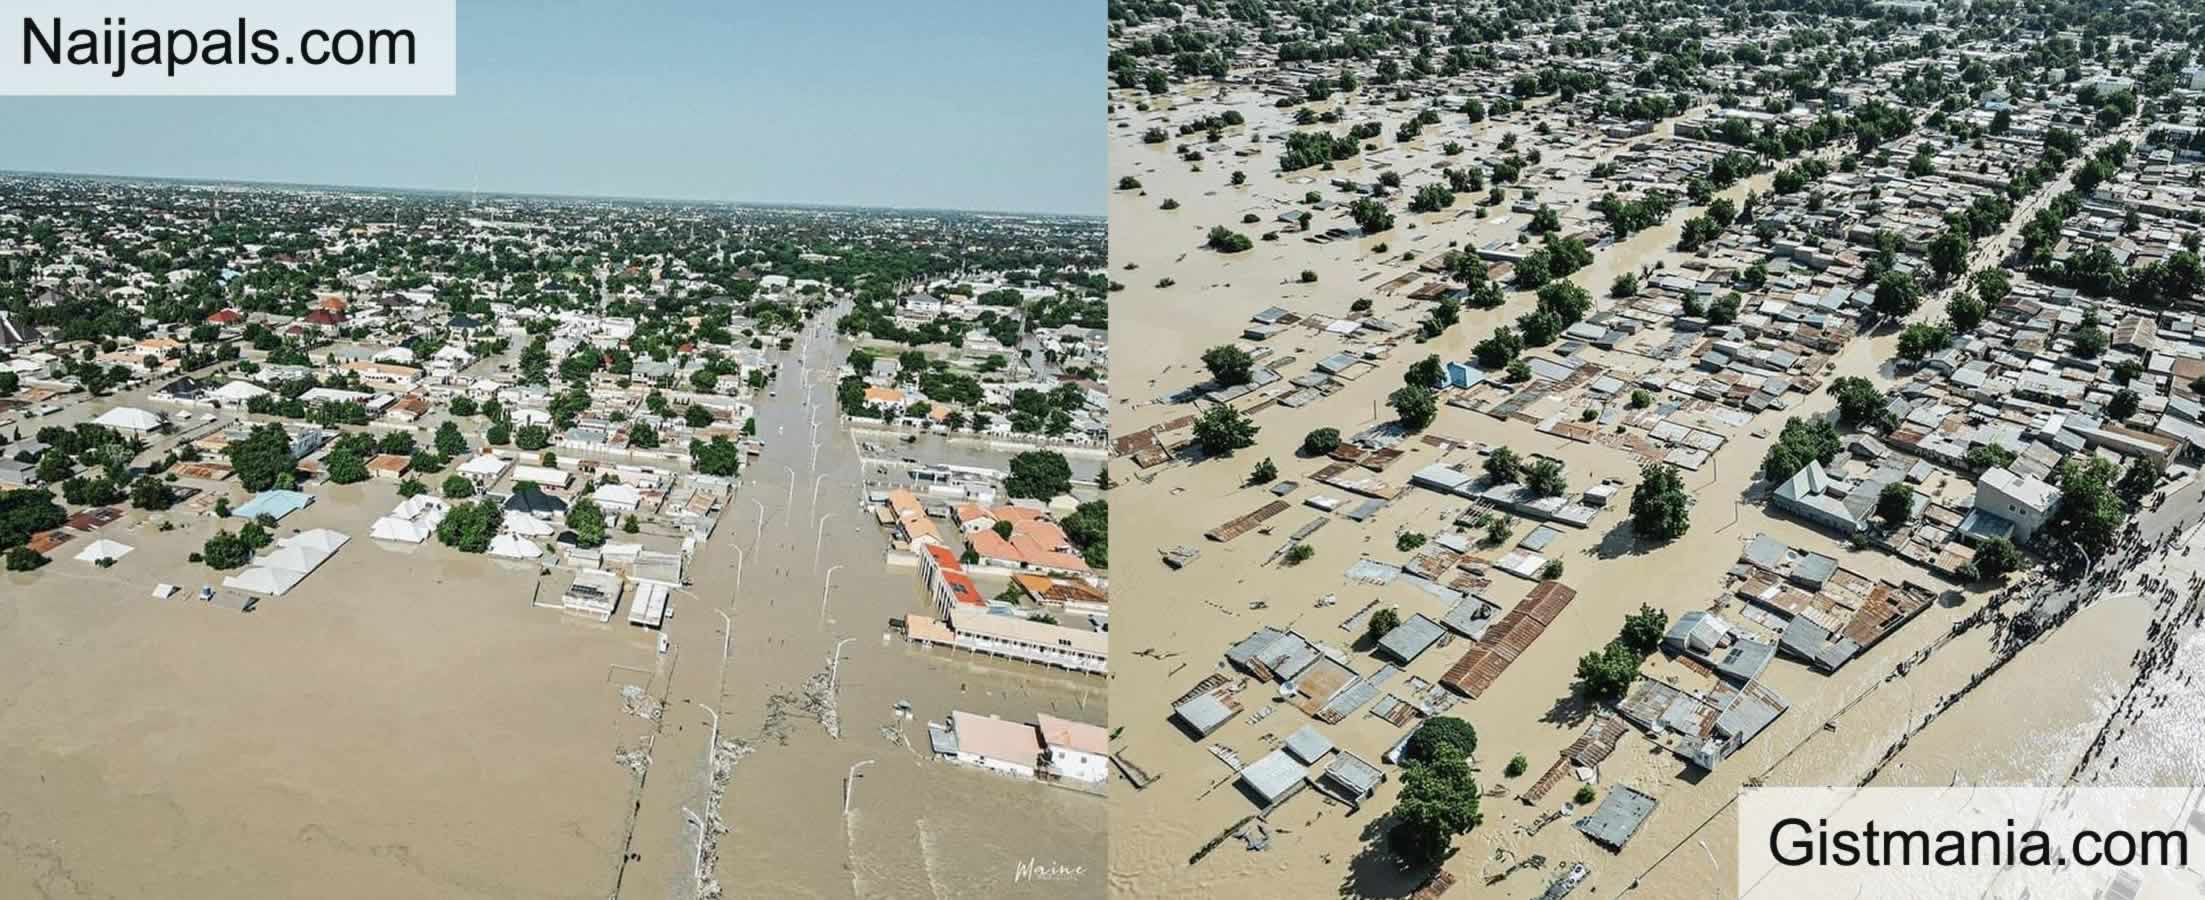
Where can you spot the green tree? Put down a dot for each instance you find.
(1607, 673)
(1384, 620)
(21, 558)
(2123, 404)
(1897, 296)
(1438, 801)
(1503, 466)
(641, 434)
(151, 493)
(346, 467)
(1088, 528)
(1416, 406)
(2090, 512)
(1424, 373)
(1643, 630)
(1440, 737)
(1966, 312)
(1321, 441)
(1370, 215)
(1229, 365)
(262, 458)
(468, 527)
(225, 551)
(1858, 401)
(532, 437)
(449, 442)
(1895, 504)
(1801, 441)
(588, 523)
(718, 457)
(1996, 557)
(1983, 457)
(1265, 472)
(1919, 341)
(1545, 478)
(1221, 429)
(1661, 509)
(2139, 480)
(1039, 474)
(1226, 240)
(458, 487)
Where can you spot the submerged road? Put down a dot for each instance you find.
(806, 577)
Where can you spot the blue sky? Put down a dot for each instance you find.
(993, 105)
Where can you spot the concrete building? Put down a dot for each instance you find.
(2024, 500)
(1076, 751)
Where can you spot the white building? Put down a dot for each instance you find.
(1076, 751)
(2024, 500)
(1011, 748)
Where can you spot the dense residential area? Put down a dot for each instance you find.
(580, 461)
(1790, 369)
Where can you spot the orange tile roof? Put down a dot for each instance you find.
(963, 590)
(943, 558)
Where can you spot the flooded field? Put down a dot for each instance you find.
(401, 724)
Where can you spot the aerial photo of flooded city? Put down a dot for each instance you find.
(1541, 421)
(507, 533)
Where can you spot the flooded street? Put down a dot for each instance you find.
(917, 827)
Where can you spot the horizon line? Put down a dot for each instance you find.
(389, 189)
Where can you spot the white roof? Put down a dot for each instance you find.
(263, 580)
(163, 591)
(649, 606)
(394, 528)
(528, 526)
(488, 464)
(2032, 492)
(511, 547)
(237, 391)
(129, 418)
(617, 494)
(542, 475)
(103, 549)
(320, 539)
(294, 558)
(420, 506)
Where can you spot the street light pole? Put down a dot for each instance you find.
(823, 594)
(791, 502)
(819, 538)
(849, 779)
(1711, 861)
(696, 869)
(761, 504)
(834, 669)
(738, 576)
(727, 636)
